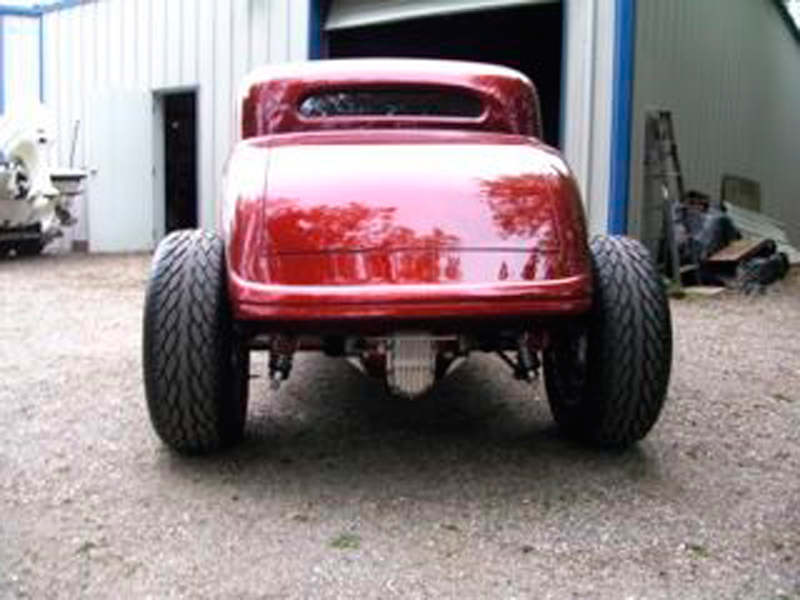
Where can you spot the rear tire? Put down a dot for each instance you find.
(607, 377)
(195, 371)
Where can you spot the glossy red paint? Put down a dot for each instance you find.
(335, 221)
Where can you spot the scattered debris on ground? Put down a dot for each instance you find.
(700, 241)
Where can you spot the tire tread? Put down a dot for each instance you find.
(187, 345)
(629, 350)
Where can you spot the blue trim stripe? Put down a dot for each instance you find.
(624, 51)
(63, 5)
(315, 30)
(37, 10)
(19, 11)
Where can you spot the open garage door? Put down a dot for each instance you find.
(524, 35)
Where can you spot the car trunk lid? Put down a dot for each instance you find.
(399, 206)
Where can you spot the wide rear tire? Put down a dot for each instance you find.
(195, 371)
(607, 376)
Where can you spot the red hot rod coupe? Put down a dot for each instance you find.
(401, 214)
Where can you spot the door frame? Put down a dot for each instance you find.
(159, 157)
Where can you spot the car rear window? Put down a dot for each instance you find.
(391, 102)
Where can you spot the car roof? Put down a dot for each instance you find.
(412, 70)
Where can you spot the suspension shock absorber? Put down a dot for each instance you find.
(526, 367)
(527, 361)
(281, 357)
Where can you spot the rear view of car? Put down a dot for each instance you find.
(402, 215)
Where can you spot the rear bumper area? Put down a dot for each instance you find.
(559, 297)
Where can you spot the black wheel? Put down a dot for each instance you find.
(29, 248)
(195, 370)
(607, 376)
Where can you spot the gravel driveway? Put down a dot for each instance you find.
(342, 492)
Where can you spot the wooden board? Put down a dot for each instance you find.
(737, 251)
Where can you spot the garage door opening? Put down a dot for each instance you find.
(526, 38)
(180, 159)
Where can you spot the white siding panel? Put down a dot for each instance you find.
(103, 36)
(116, 42)
(206, 135)
(588, 97)
(20, 61)
(174, 30)
(598, 185)
(159, 55)
(299, 19)
(189, 43)
(128, 40)
(279, 32)
(72, 86)
(77, 88)
(257, 33)
(88, 80)
(729, 70)
(240, 45)
(66, 88)
(222, 86)
(143, 42)
(51, 69)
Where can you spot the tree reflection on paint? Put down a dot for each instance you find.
(354, 244)
(521, 208)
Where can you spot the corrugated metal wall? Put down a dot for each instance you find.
(151, 45)
(730, 72)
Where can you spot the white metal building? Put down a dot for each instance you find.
(120, 75)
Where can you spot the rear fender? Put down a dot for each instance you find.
(244, 189)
